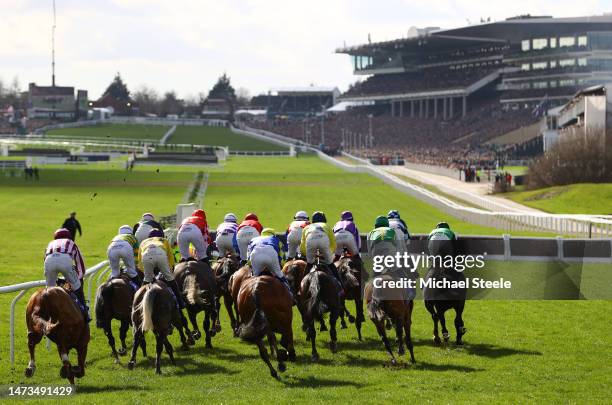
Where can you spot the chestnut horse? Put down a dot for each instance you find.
(51, 312)
(223, 269)
(234, 283)
(267, 305)
(353, 276)
(393, 307)
(197, 283)
(114, 301)
(155, 309)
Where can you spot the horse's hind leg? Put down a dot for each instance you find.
(445, 334)
(333, 318)
(217, 320)
(185, 325)
(432, 310)
(79, 371)
(281, 355)
(143, 346)
(272, 343)
(177, 324)
(159, 348)
(138, 337)
(400, 337)
(207, 327)
(169, 350)
(360, 317)
(263, 353)
(459, 322)
(312, 336)
(123, 329)
(407, 327)
(108, 331)
(33, 339)
(380, 328)
(194, 322)
(66, 370)
(227, 301)
(287, 342)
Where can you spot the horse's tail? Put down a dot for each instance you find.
(315, 306)
(45, 326)
(351, 280)
(258, 325)
(103, 301)
(375, 310)
(192, 289)
(146, 307)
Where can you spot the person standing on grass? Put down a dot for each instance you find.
(73, 225)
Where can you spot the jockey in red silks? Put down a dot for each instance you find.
(194, 230)
(248, 229)
(60, 255)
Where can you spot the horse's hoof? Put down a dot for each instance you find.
(282, 367)
(446, 336)
(117, 361)
(131, 365)
(459, 343)
(236, 332)
(291, 356)
(64, 372)
(401, 351)
(343, 325)
(304, 327)
(190, 341)
(212, 333)
(314, 357)
(394, 362)
(158, 371)
(333, 347)
(437, 341)
(351, 319)
(217, 328)
(209, 345)
(185, 347)
(323, 328)
(78, 372)
(122, 351)
(29, 371)
(196, 334)
(274, 374)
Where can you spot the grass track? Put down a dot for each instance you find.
(119, 131)
(585, 198)
(220, 136)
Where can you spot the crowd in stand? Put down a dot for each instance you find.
(424, 80)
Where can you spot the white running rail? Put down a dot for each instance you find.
(100, 268)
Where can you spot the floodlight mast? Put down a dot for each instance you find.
(53, 48)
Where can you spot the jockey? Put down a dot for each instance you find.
(266, 252)
(124, 246)
(226, 235)
(383, 241)
(155, 252)
(319, 236)
(398, 225)
(347, 235)
(193, 230)
(248, 229)
(145, 225)
(294, 233)
(60, 255)
(441, 240)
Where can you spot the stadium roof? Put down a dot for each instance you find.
(510, 30)
(304, 90)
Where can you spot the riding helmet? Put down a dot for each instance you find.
(319, 217)
(381, 221)
(442, 225)
(199, 214)
(62, 233)
(346, 216)
(393, 214)
(125, 230)
(268, 232)
(251, 216)
(147, 216)
(229, 217)
(301, 216)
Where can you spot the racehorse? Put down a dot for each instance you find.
(351, 272)
(294, 271)
(223, 270)
(51, 312)
(199, 288)
(267, 304)
(439, 300)
(390, 306)
(155, 309)
(234, 283)
(114, 301)
(319, 294)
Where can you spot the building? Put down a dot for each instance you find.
(517, 61)
(55, 102)
(217, 108)
(297, 101)
(115, 105)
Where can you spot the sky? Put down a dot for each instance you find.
(185, 45)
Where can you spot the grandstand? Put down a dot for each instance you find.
(440, 95)
(296, 101)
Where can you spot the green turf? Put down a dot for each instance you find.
(516, 351)
(586, 198)
(119, 131)
(220, 136)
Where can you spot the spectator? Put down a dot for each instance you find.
(73, 225)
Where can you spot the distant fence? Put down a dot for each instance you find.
(136, 120)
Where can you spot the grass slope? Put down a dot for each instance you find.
(119, 131)
(586, 198)
(220, 136)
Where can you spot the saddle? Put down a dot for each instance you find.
(159, 280)
(68, 288)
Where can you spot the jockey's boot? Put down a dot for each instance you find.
(309, 267)
(136, 280)
(334, 271)
(242, 263)
(81, 297)
(285, 282)
(177, 293)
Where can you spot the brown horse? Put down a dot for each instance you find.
(319, 292)
(399, 311)
(52, 313)
(114, 301)
(155, 309)
(234, 283)
(223, 269)
(267, 304)
(199, 288)
(352, 274)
